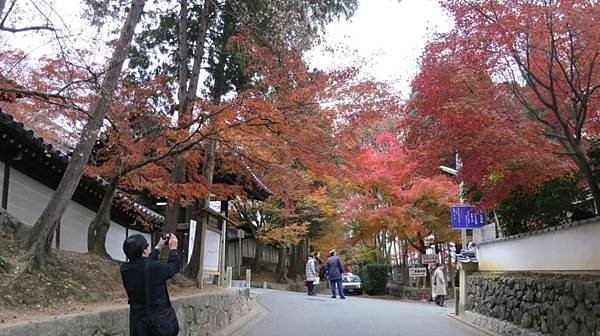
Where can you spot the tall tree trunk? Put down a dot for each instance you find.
(38, 242)
(422, 250)
(178, 175)
(280, 271)
(258, 256)
(101, 223)
(208, 163)
(188, 85)
(404, 253)
(396, 251)
(585, 168)
(192, 269)
(388, 245)
(298, 259)
(378, 245)
(293, 261)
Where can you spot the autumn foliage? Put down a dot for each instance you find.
(390, 196)
(513, 89)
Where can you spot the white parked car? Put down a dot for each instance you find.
(352, 284)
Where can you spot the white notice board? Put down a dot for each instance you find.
(212, 249)
(429, 258)
(417, 272)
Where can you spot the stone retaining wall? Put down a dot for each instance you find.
(497, 326)
(556, 305)
(204, 314)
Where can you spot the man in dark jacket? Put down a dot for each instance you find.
(334, 272)
(138, 252)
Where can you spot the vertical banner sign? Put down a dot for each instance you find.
(465, 217)
(191, 237)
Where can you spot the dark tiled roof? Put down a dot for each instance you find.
(46, 164)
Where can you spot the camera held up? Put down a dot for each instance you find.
(166, 236)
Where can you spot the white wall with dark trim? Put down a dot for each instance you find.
(27, 198)
(565, 248)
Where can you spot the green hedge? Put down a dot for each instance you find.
(375, 278)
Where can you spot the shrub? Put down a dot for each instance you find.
(375, 278)
(544, 205)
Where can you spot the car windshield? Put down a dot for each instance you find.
(352, 278)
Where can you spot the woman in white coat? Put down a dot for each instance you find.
(439, 285)
(311, 274)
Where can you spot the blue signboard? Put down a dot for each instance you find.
(465, 217)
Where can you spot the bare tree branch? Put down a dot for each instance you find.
(24, 29)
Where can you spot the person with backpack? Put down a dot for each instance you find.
(144, 279)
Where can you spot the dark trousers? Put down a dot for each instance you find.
(138, 326)
(340, 287)
(311, 287)
(439, 300)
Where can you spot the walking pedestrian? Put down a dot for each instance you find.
(439, 285)
(431, 269)
(334, 272)
(311, 274)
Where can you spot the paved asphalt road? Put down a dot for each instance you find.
(291, 314)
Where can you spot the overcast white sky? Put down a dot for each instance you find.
(388, 34)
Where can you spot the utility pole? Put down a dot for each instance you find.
(461, 190)
(461, 197)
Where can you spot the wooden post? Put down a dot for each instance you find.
(462, 291)
(229, 276)
(203, 225)
(222, 254)
(240, 258)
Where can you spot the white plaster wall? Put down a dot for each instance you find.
(114, 241)
(74, 227)
(27, 199)
(569, 249)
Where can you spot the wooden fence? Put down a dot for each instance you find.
(269, 254)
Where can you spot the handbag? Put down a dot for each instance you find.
(164, 322)
(316, 282)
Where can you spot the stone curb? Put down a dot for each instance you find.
(474, 326)
(205, 313)
(240, 327)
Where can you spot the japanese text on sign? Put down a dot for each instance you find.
(465, 217)
(417, 272)
(429, 258)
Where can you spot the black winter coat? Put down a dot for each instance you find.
(132, 274)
